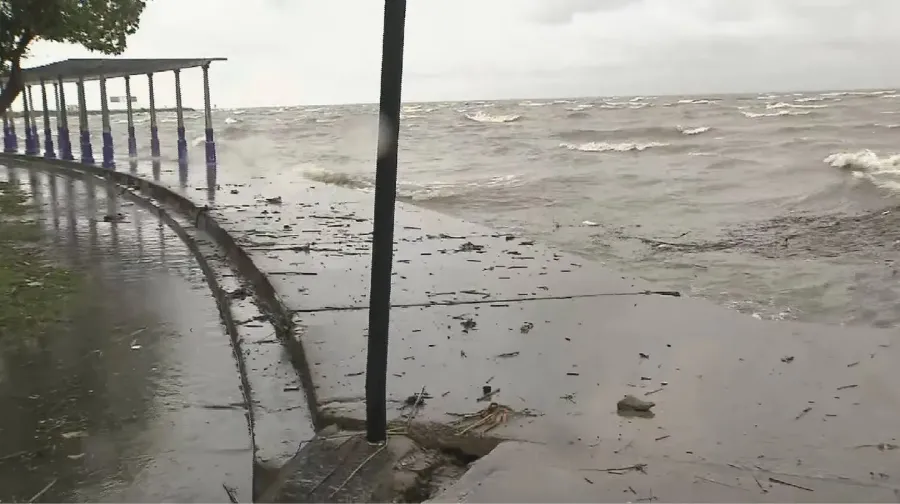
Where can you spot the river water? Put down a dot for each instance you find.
(136, 395)
(780, 205)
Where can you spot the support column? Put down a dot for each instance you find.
(132, 141)
(154, 131)
(13, 145)
(35, 138)
(179, 114)
(108, 158)
(49, 152)
(87, 153)
(6, 147)
(65, 143)
(210, 137)
(26, 114)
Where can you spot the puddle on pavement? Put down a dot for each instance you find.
(137, 396)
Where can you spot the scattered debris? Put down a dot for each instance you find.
(631, 403)
(74, 434)
(787, 359)
(488, 394)
(468, 324)
(417, 399)
(660, 438)
(526, 328)
(113, 217)
(642, 355)
(568, 397)
(642, 468)
(803, 413)
(710, 480)
(879, 446)
(43, 491)
(653, 391)
(358, 468)
(274, 201)
(231, 493)
(845, 387)
(291, 388)
(486, 419)
(470, 247)
(785, 483)
(508, 355)
(852, 364)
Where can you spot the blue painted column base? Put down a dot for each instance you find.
(13, 142)
(132, 143)
(65, 145)
(30, 148)
(108, 155)
(49, 152)
(154, 142)
(182, 146)
(210, 148)
(87, 153)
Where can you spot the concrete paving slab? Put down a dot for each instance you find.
(728, 388)
(315, 246)
(523, 472)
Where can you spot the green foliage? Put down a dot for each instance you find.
(98, 25)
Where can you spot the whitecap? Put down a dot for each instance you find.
(608, 147)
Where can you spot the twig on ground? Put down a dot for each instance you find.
(43, 491)
(710, 480)
(230, 491)
(358, 468)
(785, 483)
(415, 408)
(618, 470)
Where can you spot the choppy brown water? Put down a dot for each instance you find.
(777, 205)
(136, 397)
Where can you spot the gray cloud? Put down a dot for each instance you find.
(563, 11)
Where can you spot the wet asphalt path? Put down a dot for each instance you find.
(136, 396)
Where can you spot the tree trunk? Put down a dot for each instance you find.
(14, 85)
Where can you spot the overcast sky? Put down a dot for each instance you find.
(285, 52)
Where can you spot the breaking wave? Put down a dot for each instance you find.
(483, 117)
(612, 147)
(779, 113)
(883, 172)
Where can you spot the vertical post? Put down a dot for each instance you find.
(87, 153)
(32, 124)
(108, 159)
(154, 131)
(210, 139)
(132, 141)
(6, 147)
(179, 114)
(49, 152)
(13, 146)
(26, 114)
(383, 222)
(65, 143)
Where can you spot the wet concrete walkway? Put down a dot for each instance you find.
(136, 397)
(745, 410)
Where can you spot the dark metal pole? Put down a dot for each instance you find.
(383, 225)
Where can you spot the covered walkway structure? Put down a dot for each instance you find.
(81, 70)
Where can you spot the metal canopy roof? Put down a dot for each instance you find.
(71, 70)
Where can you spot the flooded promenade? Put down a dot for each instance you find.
(135, 394)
